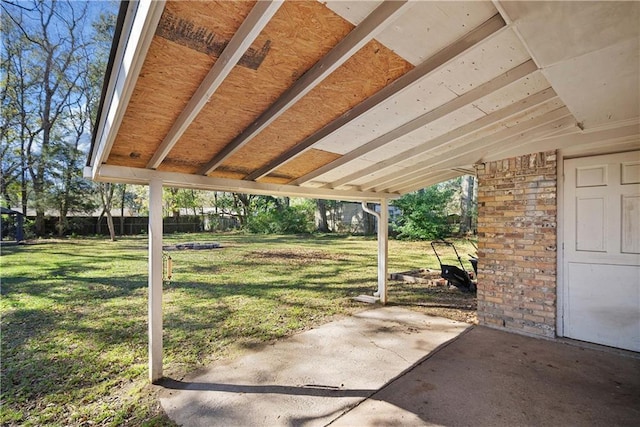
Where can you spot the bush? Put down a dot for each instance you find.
(424, 214)
(284, 220)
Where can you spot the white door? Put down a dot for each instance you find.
(602, 250)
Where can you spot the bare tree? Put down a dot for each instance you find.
(50, 65)
(15, 130)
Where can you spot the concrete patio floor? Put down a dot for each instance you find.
(392, 366)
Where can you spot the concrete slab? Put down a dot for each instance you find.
(391, 366)
(489, 377)
(311, 378)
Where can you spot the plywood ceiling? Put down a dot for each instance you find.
(382, 98)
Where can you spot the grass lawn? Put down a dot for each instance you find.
(74, 313)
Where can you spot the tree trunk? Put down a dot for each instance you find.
(106, 195)
(323, 225)
(369, 222)
(98, 223)
(112, 230)
(466, 203)
(23, 192)
(40, 210)
(122, 199)
(39, 224)
(63, 223)
(242, 203)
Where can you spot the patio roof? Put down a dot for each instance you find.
(354, 100)
(360, 100)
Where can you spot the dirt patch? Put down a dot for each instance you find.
(293, 256)
(431, 296)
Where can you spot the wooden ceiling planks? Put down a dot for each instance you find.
(365, 73)
(302, 165)
(165, 85)
(299, 35)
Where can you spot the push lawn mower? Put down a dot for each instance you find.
(456, 276)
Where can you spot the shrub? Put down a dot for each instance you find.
(283, 220)
(424, 214)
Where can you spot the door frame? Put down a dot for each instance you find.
(560, 228)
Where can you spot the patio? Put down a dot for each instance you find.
(393, 366)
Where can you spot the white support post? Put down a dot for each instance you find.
(155, 280)
(383, 249)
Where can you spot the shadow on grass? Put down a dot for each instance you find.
(47, 352)
(74, 290)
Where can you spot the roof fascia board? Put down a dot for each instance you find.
(108, 96)
(140, 26)
(474, 150)
(373, 24)
(489, 28)
(115, 53)
(423, 120)
(140, 176)
(249, 30)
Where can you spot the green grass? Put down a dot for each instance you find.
(74, 312)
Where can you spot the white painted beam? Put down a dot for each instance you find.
(476, 152)
(123, 174)
(603, 141)
(501, 151)
(489, 28)
(382, 16)
(468, 98)
(477, 155)
(155, 279)
(451, 137)
(248, 31)
(468, 149)
(139, 28)
(478, 125)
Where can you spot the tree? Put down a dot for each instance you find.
(15, 133)
(279, 215)
(323, 225)
(424, 213)
(107, 190)
(467, 203)
(70, 191)
(368, 222)
(242, 207)
(52, 67)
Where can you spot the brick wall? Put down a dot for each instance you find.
(517, 243)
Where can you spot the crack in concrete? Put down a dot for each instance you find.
(384, 348)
